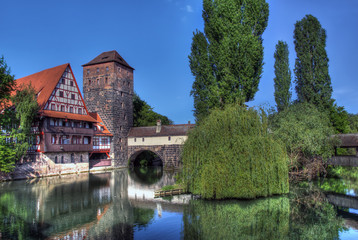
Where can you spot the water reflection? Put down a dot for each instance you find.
(121, 205)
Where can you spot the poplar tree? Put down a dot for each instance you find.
(282, 76)
(227, 59)
(313, 83)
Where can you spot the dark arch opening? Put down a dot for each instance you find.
(145, 158)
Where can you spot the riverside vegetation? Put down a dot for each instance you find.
(231, 154)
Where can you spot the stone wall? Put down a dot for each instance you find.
(43, 165)
(169, 154)
(108, 90)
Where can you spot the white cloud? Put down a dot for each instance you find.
(189, 9)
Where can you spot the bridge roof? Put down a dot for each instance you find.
(166, 130)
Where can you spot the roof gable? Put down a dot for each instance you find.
(111, 56)
(43, 82)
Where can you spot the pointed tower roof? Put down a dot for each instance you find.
(43, 82)
(111, 56)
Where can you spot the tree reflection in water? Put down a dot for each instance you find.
(304, 214)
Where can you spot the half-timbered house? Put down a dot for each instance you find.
(67, 132)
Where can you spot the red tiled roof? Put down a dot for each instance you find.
(100, 123)
(111, 56)
(65, 115)
(43, 82)
(166, 130)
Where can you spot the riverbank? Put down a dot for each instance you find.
(40, 169)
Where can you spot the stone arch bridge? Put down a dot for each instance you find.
(166, 141)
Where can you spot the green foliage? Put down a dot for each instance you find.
(258, 219)
(313, 83)
(16, 122)
(227, 59)
(312, 217)
(232, 155)
(339, 119)
(143, 114)
(353, 122)
(7, 83)
(282, 76)
(304, 130)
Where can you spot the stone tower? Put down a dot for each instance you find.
(108, 90)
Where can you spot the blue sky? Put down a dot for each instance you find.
(155, 36)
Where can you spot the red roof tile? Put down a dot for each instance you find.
(111, 56)
(43, 82)
(100, 123)
(166, 130)
(65, 115)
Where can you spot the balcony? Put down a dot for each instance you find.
(68, 148)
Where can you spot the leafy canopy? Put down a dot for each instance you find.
(143, 114)
(227, 59)
(313, 83)
(232, 155)
(282, 76)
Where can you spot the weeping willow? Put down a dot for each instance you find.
(231, 154)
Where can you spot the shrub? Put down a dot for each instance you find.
(232, 155)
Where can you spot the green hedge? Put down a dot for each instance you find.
(231, 154)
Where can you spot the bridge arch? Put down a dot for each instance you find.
(132, 156)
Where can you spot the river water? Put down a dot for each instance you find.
(120, 205)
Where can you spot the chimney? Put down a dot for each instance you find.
(159, 126)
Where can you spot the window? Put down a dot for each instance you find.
(56, 159)
(119, 69)
(52, 122)
(71, 83)
(53, 107)
(104, 141)
(97, 70)
(89, 82)
(135, 139)
(71, 109)
(62, 160)
(107, 69)
(73, 96)
(80, 111)
(65, 139)
(142, 139)
(169, 138)
(72, 158)
(86, 140)
(95, 141)
(86, 125)
(62, 108)
(88, 71)
(53, 139)
(106, 81)
(81, 159)
(76, 139)
(61, 93)
(63, 81)
(95, 128)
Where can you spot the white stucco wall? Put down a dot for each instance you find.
(151, 141)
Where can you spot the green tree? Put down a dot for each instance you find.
(227, 60)
(7, 83)
(143, 114)
(313, 83)
(282, 76)
(231, 154)
(16, 119)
